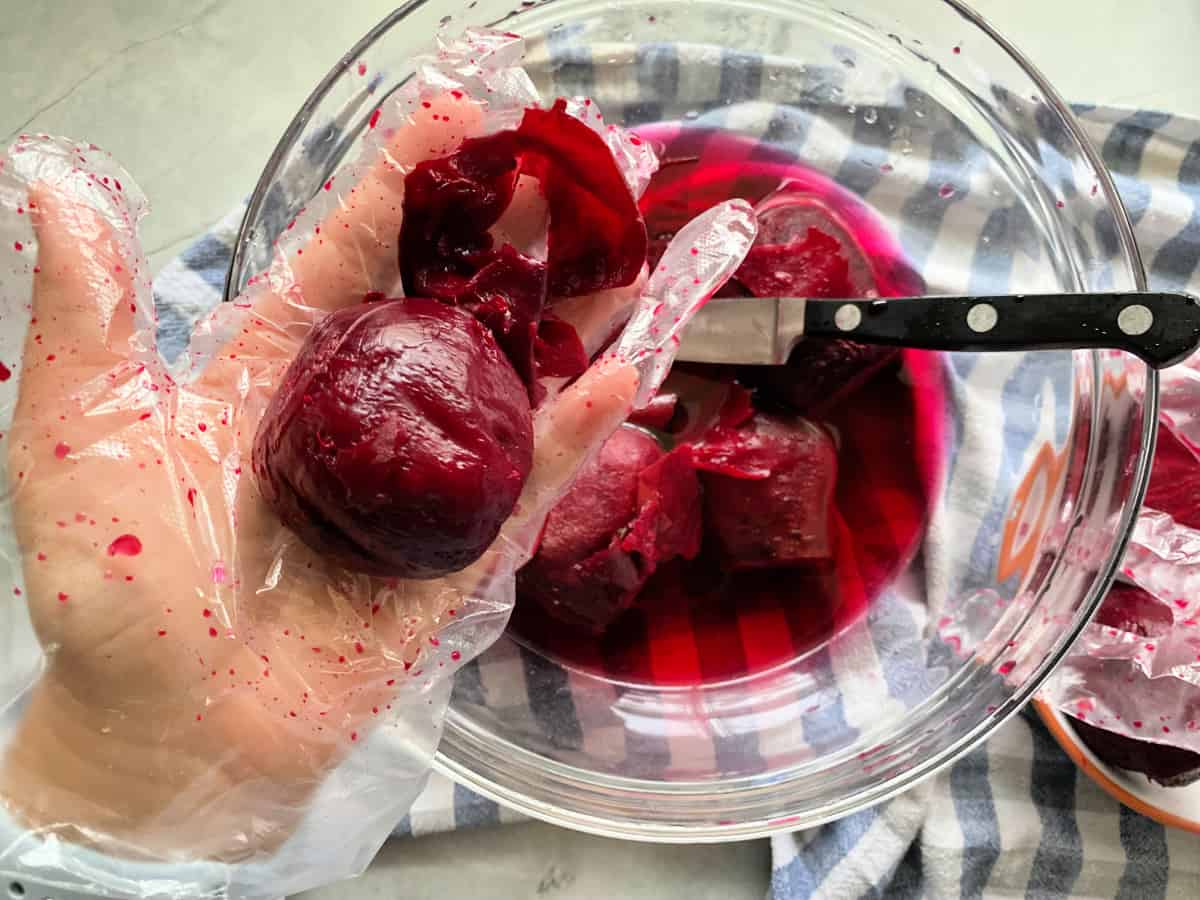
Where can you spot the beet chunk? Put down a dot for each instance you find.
(630, 509)
(820, 373)
(1169, 766)
(768, 491)
(399, 439)
(1132, 609)
(596, 239)
(1175, 480)
(811, 266)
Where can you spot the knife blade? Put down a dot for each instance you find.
(1161, 328)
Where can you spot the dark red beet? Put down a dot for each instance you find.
(602, 500)
(1169, 766)
(1132, 609)
(658, 413)
(558, 350)
(820, 374)
(631, 508)
(1174, 489)
(811, 266)
(768, 491)
(668, 522)
(1175, 480)
(399, 440)
(596, 238)
(507, 295)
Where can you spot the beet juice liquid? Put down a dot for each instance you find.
(695, 621)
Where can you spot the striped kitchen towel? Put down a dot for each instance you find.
(1013, 817)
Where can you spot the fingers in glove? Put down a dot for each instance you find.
(84, 297)
(353, 249)
(333, 255)
(567, 432)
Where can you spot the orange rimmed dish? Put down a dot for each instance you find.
(1175, 807)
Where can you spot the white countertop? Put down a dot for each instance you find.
(142, 78)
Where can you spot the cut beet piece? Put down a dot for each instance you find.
(820, 374)
(1169, 766)
(596, 239)
(558, 350)
(1129, 608)
(768, 491)
(631, 508)
(602, 500)
(399, 439)
(1175, 480)
(668, 524)
(811, 266)
(507, 295)
(575, 576)
(658, 413)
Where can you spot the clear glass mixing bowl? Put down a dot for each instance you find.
(978, 169)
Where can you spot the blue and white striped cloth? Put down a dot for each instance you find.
(1015, 816)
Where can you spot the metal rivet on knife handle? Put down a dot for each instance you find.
(848, 317)
(982, 318)
(1135, 319)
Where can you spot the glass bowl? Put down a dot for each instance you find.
(982, 177)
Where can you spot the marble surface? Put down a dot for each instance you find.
(191, 95)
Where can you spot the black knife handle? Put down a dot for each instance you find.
(1160, 328)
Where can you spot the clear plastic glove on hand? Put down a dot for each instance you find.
(208, 687)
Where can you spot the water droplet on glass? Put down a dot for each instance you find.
(870, 116)
(692, 114)
(919, 113)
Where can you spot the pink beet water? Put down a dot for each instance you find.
(705, 619)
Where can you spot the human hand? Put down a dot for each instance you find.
(205, 669)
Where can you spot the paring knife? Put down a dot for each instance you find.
(1160, 328)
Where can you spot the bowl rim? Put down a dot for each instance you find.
(258, 197)
(656, 832)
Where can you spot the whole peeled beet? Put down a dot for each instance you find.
(398, 441)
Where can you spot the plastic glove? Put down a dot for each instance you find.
(170, 686)
(211, 688)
